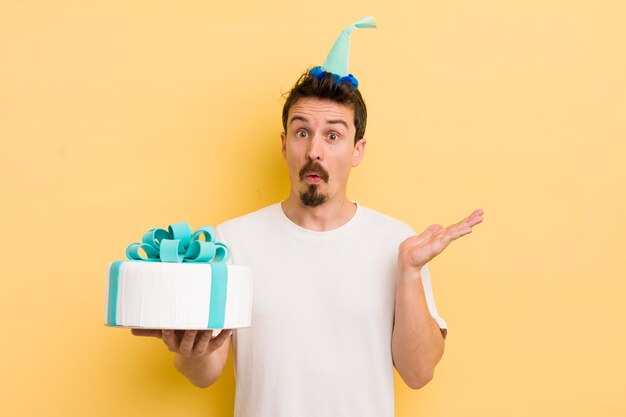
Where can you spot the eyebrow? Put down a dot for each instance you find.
(339, 122)
(304, 119)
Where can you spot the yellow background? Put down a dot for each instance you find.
(119, 116)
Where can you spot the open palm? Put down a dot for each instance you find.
(418, 250)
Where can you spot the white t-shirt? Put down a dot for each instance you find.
(322, 315)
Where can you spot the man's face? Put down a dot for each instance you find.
(319, 149)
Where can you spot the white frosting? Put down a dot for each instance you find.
(163, 295)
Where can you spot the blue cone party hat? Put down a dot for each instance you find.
(337, 60)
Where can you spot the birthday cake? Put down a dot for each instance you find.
(176, 279)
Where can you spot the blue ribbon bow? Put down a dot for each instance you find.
(178, 244)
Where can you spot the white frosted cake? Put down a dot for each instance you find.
(181, 289)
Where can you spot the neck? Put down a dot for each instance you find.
(330, 215)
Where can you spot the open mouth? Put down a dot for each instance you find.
(313, 173)
(313, 178)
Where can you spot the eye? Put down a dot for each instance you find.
(302, 133)
(333, 136)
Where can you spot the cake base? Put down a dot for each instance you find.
(178, 296)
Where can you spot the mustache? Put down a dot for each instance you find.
(314, 167)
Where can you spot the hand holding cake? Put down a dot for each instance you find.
(187, 342)
(198, 355)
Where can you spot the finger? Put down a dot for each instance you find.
(202, 343)
(475, 218)
(448, 236)
(186, 344)
(459, 231)
(169, 338)
(220, 339)
(463, 227)
(146, 332)
(430, 229)
(429, 232)
(471, 220)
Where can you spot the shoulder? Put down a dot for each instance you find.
(248, 223)
(381, 223)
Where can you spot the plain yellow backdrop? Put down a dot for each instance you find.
(119, 116)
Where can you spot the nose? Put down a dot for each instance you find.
(315, 151)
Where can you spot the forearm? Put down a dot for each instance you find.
(201, 371)
(417, 342)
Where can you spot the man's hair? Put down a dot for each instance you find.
(326, 88)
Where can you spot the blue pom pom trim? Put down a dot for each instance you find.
(350, 79)
(319, 73)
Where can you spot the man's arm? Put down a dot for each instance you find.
(199, 356)
(417, 343)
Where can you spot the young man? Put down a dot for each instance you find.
(341, 292)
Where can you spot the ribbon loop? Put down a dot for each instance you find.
(201, 252)
(153, 237)
(180, 231)
(222, 252)
(170, 250)
(209, 233)
(133, 252)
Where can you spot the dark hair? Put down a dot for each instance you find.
(326, 88)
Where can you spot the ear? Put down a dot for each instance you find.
(359, 152)
(283, 141)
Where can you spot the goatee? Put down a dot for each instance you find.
(311, 198)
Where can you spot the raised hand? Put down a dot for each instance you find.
(418, 250)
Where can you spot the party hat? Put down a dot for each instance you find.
(337, 60)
